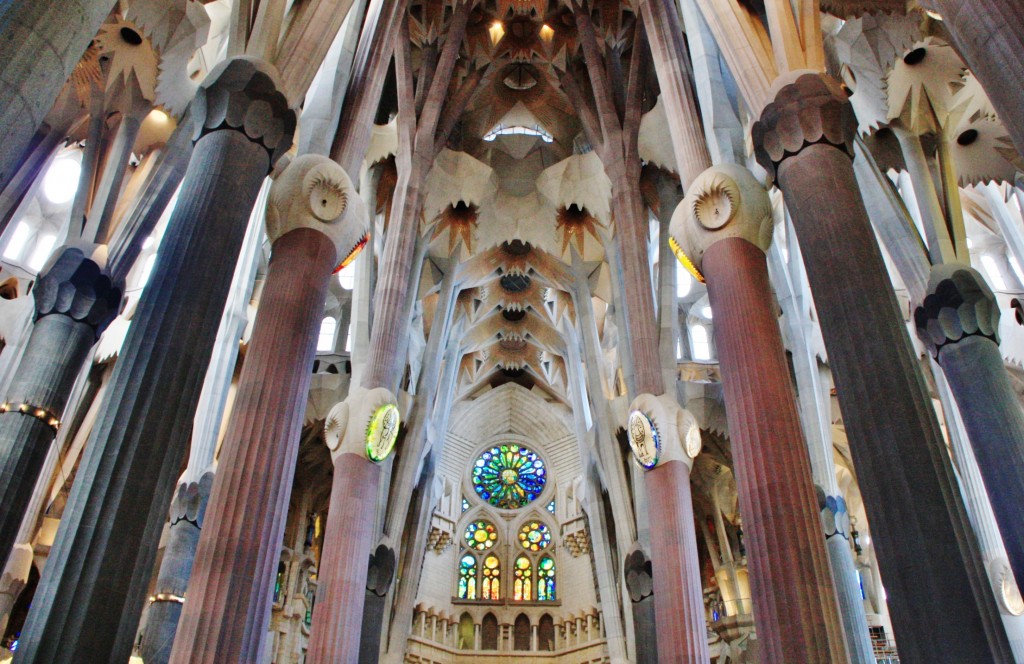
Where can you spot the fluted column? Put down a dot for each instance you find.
(88, 602)
(40, 44)
(725, 225)
(188, 511)
(959, 324)
(665, 439)
(361, 432)
(927, 553)
(75, 301)
(990, 36)
(314, 218)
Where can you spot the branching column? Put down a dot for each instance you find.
(88, 602)
(360, 432)
(75, 301)
(926, 550)
(990, 36)
(725, 226)
(314, 219)
(665, 439)
(959, 323)
(40, 44)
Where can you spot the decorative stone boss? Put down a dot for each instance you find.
(660, 431)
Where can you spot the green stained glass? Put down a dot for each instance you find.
(509, 476)
(480, 535)
(534, 536)
(467, 577)
(522, 586)
(546, 579)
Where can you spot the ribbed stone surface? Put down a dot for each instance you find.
(40, 44)
(188, 510)
(795, 606)
(227, 609)
(89, 599)
(679, 599)
(640, 584)
(75, 302)
(926, 551)
(990, 36)
(341, 593)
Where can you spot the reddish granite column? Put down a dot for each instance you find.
(927, 553)
(725, 225)
(227, 605)
(664, 439)
(990, 36)
(360, 432)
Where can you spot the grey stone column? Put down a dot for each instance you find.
(926, 550)
(75, 302)
(959, 324)
(990, 36)
(187, 511)
(40, 44)
(91, 593)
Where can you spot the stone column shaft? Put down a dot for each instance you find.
(990, 36)
(341, 593)
(926, 551)
(226, 612)
(88, 602)
(794, 599)
(40, 46)
(74, 303)
(678, 601)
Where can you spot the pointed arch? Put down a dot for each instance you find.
(490, 583)
(546, 633)
(546, 579)
(489, 633)
(467, 576)
(522, 586)
(521, 632)
(467, 637)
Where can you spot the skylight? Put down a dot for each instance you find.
(519, 130)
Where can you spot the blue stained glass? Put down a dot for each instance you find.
(509, 476)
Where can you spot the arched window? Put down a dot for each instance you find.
(467, 577)
(489, 633)
(328, 328)
(701, 343)
(467, 638)
(521, 633)
(683, 280)
(522, 587)
(490, 586)
(546, 633)
(546, 579)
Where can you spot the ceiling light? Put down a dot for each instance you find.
(497, 31)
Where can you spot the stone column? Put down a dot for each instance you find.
(361, 433)
(724, 225)
(665, 439)
(41, 44)
(927, 553)
(94, 584)
(314, 219)
(990, 36)
(75, 301)
(959, 324)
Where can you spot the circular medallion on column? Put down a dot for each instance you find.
(644, 440)
(692, 442)
(382, 432)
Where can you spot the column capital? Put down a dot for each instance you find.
(959, 304)
(660, 430)
(74, 284)
(835, 517)
(808, 108)
(315, 192)
(243, 94)
(365, 424)
(724, 201)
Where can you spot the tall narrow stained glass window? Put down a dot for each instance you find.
(509, 476)
(467, 577)
(490, 585)
(522, 587)
(546, 579)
